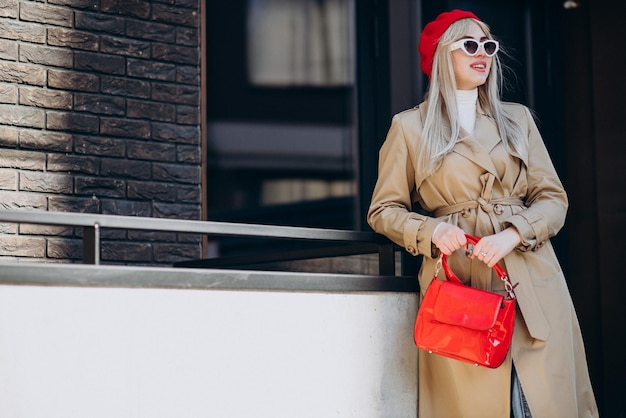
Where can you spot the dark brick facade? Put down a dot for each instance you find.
(100, 113)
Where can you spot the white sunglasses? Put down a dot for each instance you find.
(471, 46)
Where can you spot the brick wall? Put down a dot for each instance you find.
(99, 113)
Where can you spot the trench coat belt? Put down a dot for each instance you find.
(493, 205)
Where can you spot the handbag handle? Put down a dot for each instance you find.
(471, 239)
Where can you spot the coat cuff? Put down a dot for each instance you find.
(532, 229)
(418, 237)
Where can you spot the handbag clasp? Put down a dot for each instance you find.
(438, 265)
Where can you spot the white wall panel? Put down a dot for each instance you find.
(104, 352)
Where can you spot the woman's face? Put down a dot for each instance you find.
(471, 71)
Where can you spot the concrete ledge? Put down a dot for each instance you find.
(175, 278)
(75, 352)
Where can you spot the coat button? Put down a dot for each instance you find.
(465, 212)
(498, 209)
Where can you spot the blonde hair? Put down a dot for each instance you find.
(441, 127)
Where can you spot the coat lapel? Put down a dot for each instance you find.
(477, 150)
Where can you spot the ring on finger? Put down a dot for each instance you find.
(484, 254)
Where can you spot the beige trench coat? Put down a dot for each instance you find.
(483, 189)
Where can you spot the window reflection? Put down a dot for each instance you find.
(300, 42)
(281, 134)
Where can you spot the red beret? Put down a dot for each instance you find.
(433, 31)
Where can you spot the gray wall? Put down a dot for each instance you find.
(99, 113)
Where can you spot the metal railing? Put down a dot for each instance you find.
(331, 242)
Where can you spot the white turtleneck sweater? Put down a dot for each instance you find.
(466, 103)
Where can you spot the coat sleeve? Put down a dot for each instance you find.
(390, 212)
(546, 200)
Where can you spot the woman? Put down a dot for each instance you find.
(479, 166)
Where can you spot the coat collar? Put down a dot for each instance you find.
(469, 147)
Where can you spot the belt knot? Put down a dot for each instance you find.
(485, 205)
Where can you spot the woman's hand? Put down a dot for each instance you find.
(493, 248)
(448, 238)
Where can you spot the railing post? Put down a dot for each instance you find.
(91, 244)
(386, 259)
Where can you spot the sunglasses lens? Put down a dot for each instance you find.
(470, 46)
(490, 47)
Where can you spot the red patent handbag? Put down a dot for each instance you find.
(465, 323)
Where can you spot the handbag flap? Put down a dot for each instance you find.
(457, 304)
